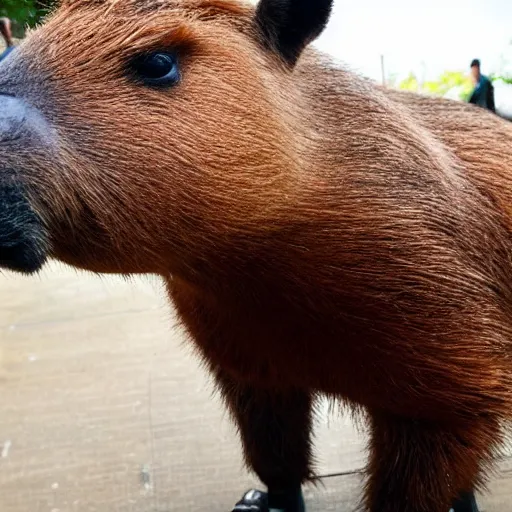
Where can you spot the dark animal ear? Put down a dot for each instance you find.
(288, 26)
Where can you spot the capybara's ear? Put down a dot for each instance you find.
(287, 26)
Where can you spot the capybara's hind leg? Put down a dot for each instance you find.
(418, 466)
(276, 434)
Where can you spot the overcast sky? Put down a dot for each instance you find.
(427, 37)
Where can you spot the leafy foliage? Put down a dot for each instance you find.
(410, 83)
(25, 12)
(456, 83)
(506, 79)
(448, 81)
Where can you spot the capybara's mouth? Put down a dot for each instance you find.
(22, 236)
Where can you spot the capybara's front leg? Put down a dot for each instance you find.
(418, 466)
(276, 435)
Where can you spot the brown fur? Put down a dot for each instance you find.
(317, 233)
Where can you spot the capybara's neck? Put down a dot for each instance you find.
(357, 167)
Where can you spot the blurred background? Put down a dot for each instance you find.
(421, 46)
(426, 46)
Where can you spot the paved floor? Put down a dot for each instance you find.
(103, 408)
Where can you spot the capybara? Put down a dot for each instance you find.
(318, 234)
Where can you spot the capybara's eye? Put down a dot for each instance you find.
(158, 68)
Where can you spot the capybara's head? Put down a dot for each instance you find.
(136, 134)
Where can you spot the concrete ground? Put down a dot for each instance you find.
(103, 408)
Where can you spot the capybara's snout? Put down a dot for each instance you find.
(22, 238)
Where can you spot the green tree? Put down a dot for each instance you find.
(25, 13)
(506, 79)
(410, 83)
(447, 81)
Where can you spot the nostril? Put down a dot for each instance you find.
(9, 137)
(13, 114)
(21, 120)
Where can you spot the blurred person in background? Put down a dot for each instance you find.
(483, 93)
(5, 30)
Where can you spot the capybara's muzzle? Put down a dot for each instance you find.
(22, 236)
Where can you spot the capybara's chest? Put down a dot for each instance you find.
(277, 346)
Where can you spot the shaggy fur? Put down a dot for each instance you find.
(318, 234)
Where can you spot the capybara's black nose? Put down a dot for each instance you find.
(22, 236)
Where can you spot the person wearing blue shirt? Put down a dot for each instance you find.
(483, 93)
(5, 30)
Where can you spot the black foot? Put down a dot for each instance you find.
(257, 501)
(252, 501)
(466, 503)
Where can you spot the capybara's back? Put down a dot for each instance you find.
(318, 234)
